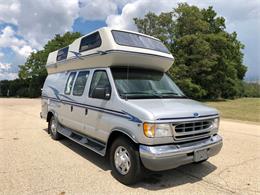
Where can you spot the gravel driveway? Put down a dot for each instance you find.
(32, 163)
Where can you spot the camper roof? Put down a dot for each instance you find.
(111, 47)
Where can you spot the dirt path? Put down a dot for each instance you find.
(32, 163)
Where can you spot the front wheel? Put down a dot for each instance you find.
(125, 161)
(53, 127)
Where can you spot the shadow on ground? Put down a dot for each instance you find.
(191, 173)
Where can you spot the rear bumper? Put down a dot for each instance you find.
(165, 157)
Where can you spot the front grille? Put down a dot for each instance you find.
(187, 131)
(193, 126)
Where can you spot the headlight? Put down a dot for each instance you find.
(215, 124)
(157, 130)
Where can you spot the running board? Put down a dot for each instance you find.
(83, 140)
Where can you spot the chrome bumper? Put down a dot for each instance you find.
(165, 157)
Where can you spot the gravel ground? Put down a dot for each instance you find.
(32, 163)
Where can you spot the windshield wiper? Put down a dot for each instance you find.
(172, 94)
(140, 94)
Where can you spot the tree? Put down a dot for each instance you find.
(251, 89)
(34, 69)
(208, 60)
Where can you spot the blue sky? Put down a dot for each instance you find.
(25, 26)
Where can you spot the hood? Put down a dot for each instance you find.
(173, 108)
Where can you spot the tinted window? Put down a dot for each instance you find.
(90, 42)
(80, 83)
(136, 40)
(99, 80)
(69, 83)
(62, 54)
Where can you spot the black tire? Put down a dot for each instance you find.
(135, 171)
(54, 133)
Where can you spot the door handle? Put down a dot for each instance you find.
(86, 111)
(71, 108)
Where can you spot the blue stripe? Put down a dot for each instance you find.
(123, 114)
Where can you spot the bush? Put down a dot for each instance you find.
(251, 89)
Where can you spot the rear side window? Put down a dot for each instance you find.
(90, 42)
(80, 83)
(62, 54)
(69, 83)
(99, 80)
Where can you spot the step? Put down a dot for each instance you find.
(84, 140)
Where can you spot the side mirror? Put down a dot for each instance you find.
(102, 93)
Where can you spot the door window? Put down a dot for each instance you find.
(80, 83)
(99, 80)
(69, 83)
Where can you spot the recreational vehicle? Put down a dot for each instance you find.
(109, 91)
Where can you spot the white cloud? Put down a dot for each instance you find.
(8, 75)
(8, 39)
(35, 23)
(6, 72)
(100, 9)
(4, 66)
(39, 20)
(240, 10)
(8, 10)
(138, 9)
(23, 51)
(97, 10)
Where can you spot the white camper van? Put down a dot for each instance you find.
(109, 91)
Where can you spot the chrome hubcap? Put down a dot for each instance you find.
(122, 160)
(53, 126)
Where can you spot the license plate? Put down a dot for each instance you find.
(200, 155)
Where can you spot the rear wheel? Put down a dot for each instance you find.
(53, 127)
(125, 161)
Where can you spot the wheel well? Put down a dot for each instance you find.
(113, 136)
(49, 115)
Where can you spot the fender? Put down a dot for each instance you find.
(126, 132)
(53, 113)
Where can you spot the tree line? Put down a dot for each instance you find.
(208, 60)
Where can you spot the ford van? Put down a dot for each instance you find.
(109, 91)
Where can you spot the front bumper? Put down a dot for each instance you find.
(157, 158)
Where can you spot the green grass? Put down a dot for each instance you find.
(245, 109)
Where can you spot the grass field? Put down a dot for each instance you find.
(245, 109)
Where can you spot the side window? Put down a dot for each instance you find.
(80, 83)
(62, 54)
(69, 83)
(90, 42)
(99, 81)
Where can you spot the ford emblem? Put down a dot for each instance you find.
(196, 114)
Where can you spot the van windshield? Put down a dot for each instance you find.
(133, 83)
